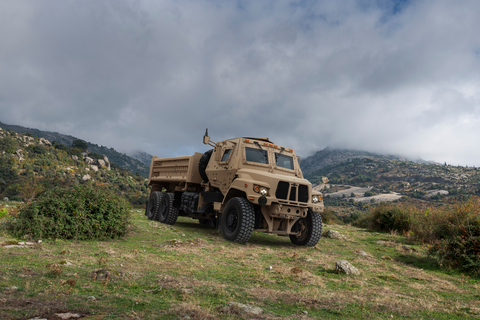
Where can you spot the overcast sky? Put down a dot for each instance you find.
(396, 77)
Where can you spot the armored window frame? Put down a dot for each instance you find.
(286, 157)
(253, 154)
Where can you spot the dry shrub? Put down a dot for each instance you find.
(453, 231)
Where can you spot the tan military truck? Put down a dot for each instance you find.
(240, 185)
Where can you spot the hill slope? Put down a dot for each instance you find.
(30, 165)
(120, 159)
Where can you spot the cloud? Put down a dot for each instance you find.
(391, 76)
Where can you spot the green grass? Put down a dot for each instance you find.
(169, 272)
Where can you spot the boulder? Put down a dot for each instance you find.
(243, 307)
(106, 162)
(343, 266)
(94, 168)
(101, 163)
(5, 199)
(74, 157)
(332, 234)
(89, 160)
(19, 154)
(86, 177)
(45, 142)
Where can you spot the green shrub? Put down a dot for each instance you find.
(8, 144)
(329, 217)
(459, 233)
(81, 212)
(3, 213)
(385, 217)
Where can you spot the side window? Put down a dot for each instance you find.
(226, 155)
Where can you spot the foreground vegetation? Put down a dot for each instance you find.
(188, 270)
(453, 231)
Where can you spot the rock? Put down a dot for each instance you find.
(5, 198)
(243, 307)
(91, 298)
(37, 318)
(88, 160)
(107, 162)
(94, 168)
(12, 288)
(67, 315)
(19, 154)
(332, 234)
(74, 157)
(408, 248)
(269, 268)
(45, 142)
(361, 253)
(343, 266)
(86, 177)
(101, 163)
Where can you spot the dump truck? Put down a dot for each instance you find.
(241, 185)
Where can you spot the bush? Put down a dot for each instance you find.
(329, 217)
(81, 212)
(385, 217)
(459, 246)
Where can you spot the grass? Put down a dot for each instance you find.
(170, 272)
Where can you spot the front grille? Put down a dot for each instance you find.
(292, 192)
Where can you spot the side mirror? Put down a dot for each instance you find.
(206, 139)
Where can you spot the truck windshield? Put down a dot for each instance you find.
(256, 155)
(283, 161)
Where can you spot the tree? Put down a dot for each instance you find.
(80, 144)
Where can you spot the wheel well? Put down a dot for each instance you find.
(232, 193)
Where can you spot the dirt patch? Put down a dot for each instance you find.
(43, 309)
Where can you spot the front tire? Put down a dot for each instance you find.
(238, 220)
(153, 204)
(310, 230)
(167, 213)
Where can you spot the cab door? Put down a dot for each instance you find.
(222, 167)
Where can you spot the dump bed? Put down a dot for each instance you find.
(175, 169)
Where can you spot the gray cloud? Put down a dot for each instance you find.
(392, 76)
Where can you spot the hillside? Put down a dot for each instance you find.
(126, 162)
(30, 165)
(387, 174)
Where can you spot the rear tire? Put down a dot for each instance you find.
(203, 163)
(153, 204)
(310, 230)
(238, 220)
(167, 213)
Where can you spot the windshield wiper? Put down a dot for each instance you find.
(264, 151)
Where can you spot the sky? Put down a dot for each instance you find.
(387, 76)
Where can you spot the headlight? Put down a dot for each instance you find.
(262, 190)
(315, 199)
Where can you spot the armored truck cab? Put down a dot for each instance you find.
(240, 185)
